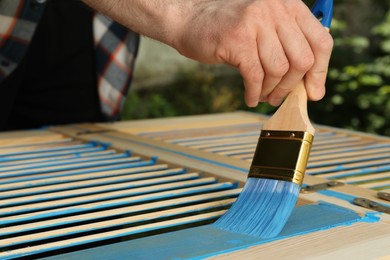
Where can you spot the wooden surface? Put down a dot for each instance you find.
(87, 186)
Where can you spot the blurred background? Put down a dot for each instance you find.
(358, 86)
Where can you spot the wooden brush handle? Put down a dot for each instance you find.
(292, 114)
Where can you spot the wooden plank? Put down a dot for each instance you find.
(29, 136)
(111, 213)
(359, 241)
(112, 223)
(55, 158)
(187, 122)
(99, 190)
(75, 176)
(58, 162)
(45, 154)
(75, 207)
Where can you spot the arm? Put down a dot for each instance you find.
(273, 43)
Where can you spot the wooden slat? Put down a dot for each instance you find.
(29, 137)
(55, 158)
(97, 206)
(58, 162)
(113, 223)
(110, 213)
(76, 176)
(107, 235)
(46, 154)
(66, 167)
(68, 191)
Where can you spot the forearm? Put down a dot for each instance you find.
(157, 19)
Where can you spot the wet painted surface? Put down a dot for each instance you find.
(208, 241)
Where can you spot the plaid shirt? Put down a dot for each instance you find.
(115, 48)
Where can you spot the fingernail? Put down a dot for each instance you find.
(263, 99)
(276, 101)
(252, 103)
(318, 93)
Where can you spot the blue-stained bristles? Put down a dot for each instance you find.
(262, 209)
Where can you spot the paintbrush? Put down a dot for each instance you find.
(279, 163)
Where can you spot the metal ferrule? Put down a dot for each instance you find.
(281, 155)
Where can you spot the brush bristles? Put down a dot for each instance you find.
(262, 209)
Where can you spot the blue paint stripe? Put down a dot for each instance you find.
(89, 170)
(346, 167)
(115, 203)
(344, 196)
(362, 171)
(19, 158)
(373, 179)
(355, 149)
(97, 239)
(52, 184)
(103, 188)
(65, 167)
(225, 165)
(381, 187)
(47, 159)
(63, 141)
(82, 229)
(66, 161)
(126, 211)
(51, 149)
(348, 160)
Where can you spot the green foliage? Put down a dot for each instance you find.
(359, 94)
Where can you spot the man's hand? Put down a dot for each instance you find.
(273, 43)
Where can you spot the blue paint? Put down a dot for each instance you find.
(49, 149)
(347, 160)
(262, 209)
(50, 158)
(379, 167)
(205, 160)
(79, 189)
(100, 143)
(128, 210)
(363, 171)
(70, 173)
(208, 241)
(344, 196)
(355, 149)
(66, 167)
(50, 185)
(65, 161)
(18, 158)
(118, 202)
(38, 144)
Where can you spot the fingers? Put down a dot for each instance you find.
(253, 76)
(274, 60)
(321, 44)
(299, 55)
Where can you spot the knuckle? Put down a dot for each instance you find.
(325, 42)
(255, 74)
(280, 68)
(305, 62)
